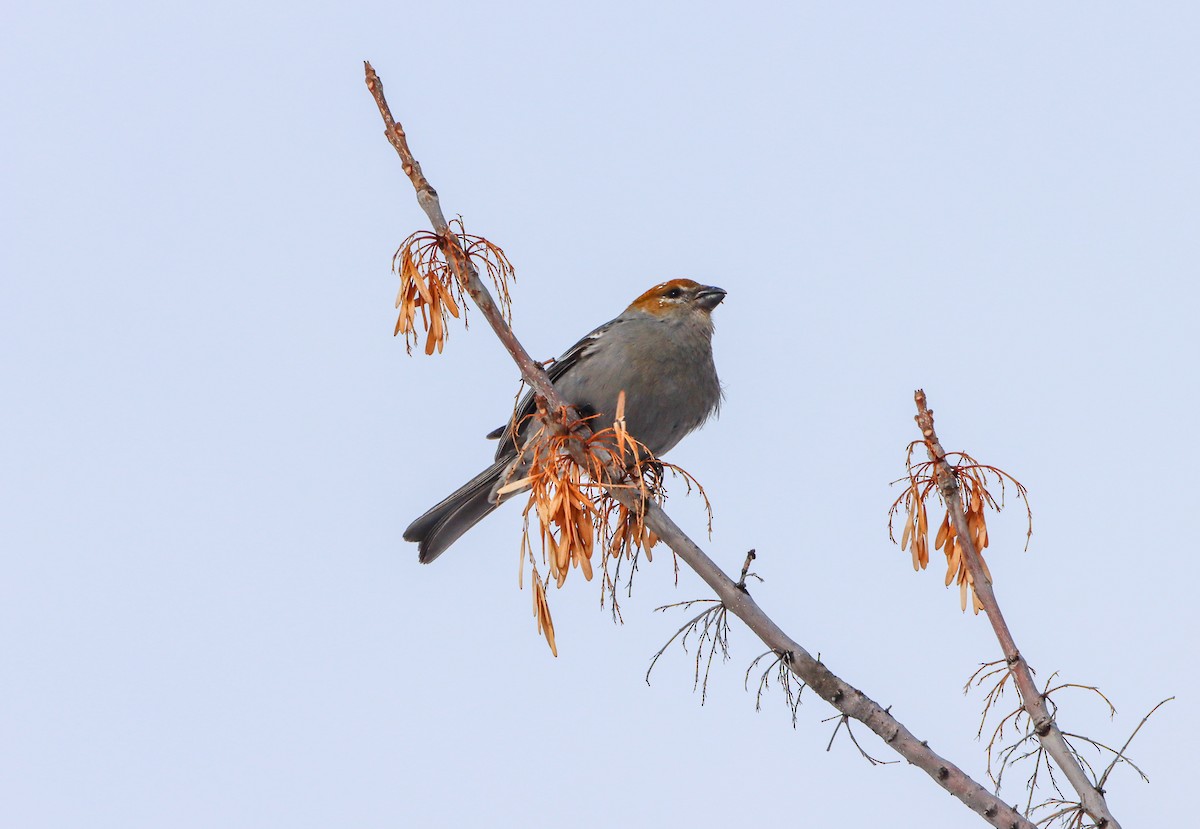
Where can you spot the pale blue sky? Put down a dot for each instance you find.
(213, 443)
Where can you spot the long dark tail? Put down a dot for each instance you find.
(442, 525)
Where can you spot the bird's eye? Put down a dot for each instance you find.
(675, 293)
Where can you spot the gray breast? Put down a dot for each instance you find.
(669, 381)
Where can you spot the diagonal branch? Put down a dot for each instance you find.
(464, 270)
(1034, 702)
(838, 693)
(844, 697)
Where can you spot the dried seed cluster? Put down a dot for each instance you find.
(428, 283)
(972, 478)
(575, 507)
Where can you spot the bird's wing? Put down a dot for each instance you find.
(527, 407)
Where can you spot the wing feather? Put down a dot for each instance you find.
(509, 433)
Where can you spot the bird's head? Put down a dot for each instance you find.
(678, 298)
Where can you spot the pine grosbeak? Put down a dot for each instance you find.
(658, 351)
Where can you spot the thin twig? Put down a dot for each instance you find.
(783, 676)
(1120, 755)
(713, 626)
(842, 719)
(741, 582)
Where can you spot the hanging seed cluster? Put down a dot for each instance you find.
(973, 479)
(429, 288)
(574, 508)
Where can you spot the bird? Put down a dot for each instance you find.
(658, 351)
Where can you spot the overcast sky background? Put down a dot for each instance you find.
(213, 443)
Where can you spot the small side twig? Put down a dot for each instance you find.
(712, 625)
(741, 582)
(1119, 756)
(780, 668)
(842, 719)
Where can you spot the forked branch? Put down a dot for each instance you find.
(847, 699)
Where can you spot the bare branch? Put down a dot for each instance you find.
(1034, 702)
(460, 262)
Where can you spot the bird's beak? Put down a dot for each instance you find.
(710, 296)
